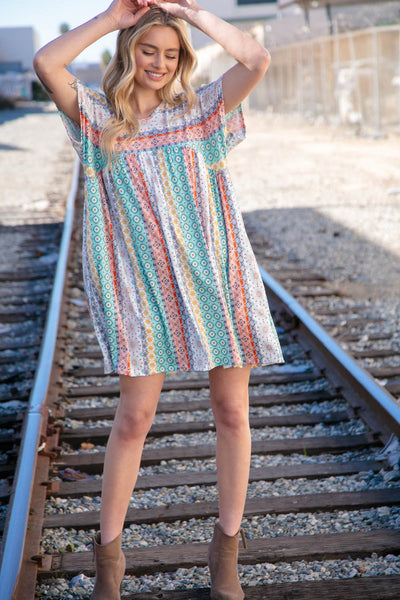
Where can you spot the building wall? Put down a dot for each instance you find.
(89, 73)
(241, 12)
(18, 44)
(241, 9)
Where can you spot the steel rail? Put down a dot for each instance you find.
(21, 497)
(345, 371)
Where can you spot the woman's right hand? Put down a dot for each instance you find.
(51, 60)
(126, 13)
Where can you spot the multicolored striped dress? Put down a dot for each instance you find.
(170, 277)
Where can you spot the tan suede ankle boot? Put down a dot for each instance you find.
(110, 569)
(222, 562)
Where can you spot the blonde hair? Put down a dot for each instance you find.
(119, 78)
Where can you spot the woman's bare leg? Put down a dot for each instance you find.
(133, 419)
(230, 403)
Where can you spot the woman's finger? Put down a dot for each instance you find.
(143, 3)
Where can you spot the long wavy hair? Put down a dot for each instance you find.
(119, 78)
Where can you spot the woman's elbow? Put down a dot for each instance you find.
(264, 60)
(38, 62)
(261, 62)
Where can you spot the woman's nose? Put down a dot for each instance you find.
(158, 61)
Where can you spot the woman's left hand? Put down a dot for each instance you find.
(177, 8)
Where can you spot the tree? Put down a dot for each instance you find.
(64, 28)
(106, 58)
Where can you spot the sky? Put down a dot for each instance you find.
(45, 16)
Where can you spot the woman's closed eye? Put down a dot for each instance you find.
(153, 54)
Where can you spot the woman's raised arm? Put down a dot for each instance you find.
(252, 59)
(50, 62)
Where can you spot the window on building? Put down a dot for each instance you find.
(256, 2)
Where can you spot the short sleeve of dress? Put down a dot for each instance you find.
(94, 111)
(211, 102)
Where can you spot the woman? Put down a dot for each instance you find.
(171, 280)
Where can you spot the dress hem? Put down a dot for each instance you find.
(205, 370)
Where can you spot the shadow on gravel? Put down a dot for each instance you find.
(25, 108)
(309, 238)
(10, 147)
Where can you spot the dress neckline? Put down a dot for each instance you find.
(153, 112)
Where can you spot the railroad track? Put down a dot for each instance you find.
(356, 327)
(367, 334)
(29, 246)
(29, 249)
(324, 497)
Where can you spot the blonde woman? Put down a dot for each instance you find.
(170, 277)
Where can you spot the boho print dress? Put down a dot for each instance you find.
(170, 277)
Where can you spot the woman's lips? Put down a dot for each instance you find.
(154, 75)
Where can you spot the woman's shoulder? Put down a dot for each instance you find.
(95, 108)
(209, 90)
(204, 96)
(93, 97)
(209, 98)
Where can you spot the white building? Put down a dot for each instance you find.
(89, 73)
(241, 9)
(242, 13)
(17, 49)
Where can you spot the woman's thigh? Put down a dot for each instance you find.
(231, 382)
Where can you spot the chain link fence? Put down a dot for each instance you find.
(353, 78)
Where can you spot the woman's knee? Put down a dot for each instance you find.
(230, 415)
(230, 398)
(131, 425)
(137, 406)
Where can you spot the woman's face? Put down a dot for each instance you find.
(157, 57)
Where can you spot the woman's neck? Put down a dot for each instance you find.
(144, 104)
